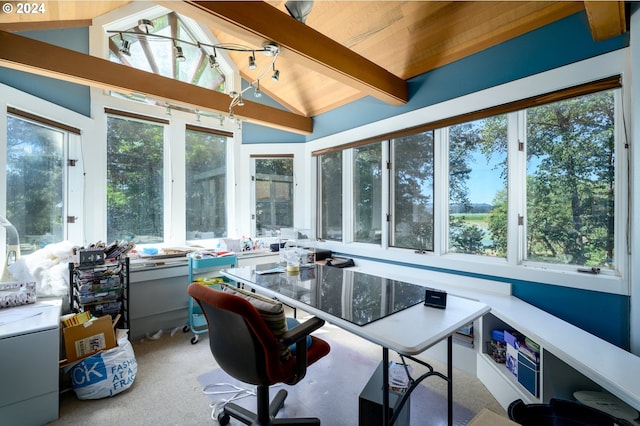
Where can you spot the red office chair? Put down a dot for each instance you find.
(245, 348)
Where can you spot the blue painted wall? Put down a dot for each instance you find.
(74, 97)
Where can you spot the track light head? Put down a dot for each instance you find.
(180, 54)
(276, 75)
(125, 47)
(213, 61)
(252, 62)
(257, 93)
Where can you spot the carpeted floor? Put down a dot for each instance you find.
(331, 390)
(168, 389)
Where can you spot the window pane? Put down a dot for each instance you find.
(330, 196)
(35, 183)
(134, 181)
(478, 187)
(570, 181)
(367, 193)
(157, 55)
(412, 188)
(274, 195)
(206, 180)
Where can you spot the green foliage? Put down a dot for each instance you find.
(570, 189)
(570, 181)
(134, 181)
(413, 191)
(331, 195)
(466, 238)
(206, 175)
(35, 182)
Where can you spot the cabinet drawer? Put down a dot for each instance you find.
(30, 363)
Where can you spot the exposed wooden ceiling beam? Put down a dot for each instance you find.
(25, 54)
(257, 22)
(606, 18)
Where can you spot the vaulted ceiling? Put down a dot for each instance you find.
(344, 51)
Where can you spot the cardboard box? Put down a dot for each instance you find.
(88, 338)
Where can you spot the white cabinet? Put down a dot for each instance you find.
(557, 378)
(29, 354)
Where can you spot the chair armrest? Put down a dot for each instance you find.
(301, 331)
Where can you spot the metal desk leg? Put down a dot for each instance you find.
(385, 386)
(450, 381)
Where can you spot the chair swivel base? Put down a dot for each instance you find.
(249, 418)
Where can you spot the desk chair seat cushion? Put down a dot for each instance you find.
(271, 311)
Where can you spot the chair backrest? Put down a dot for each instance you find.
(239, 339)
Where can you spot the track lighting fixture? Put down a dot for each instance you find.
(256, 92)
(179, 53)
(125, 48)
(213, 60)
(270, 49)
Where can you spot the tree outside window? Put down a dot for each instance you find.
(330, 193)
(135, 181)
(36, 182)
(412, 189)
(206, 182)
(477, 183)
(571, 180)
(273, 195)
(367, 193)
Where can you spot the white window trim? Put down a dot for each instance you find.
(77, 148)
(609, 64)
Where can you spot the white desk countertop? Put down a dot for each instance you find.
(31, 318)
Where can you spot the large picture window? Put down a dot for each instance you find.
(478, 187)
(135, 201)
(530, 182)
(571, 181)
(330, 196)
(273, 180)
(367, 193)
(412, 191)
(206, 182)
(36, 182)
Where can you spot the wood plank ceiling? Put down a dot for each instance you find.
(344, 51)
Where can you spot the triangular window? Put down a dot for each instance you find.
(159, 55)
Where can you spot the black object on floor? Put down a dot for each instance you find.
(561, 412)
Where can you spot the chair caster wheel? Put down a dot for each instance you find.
(194, 340)
(185, 328)
(223, 418)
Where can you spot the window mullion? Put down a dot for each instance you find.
(386, 194)
(348, 204)
(441, 191)
(517, 184)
